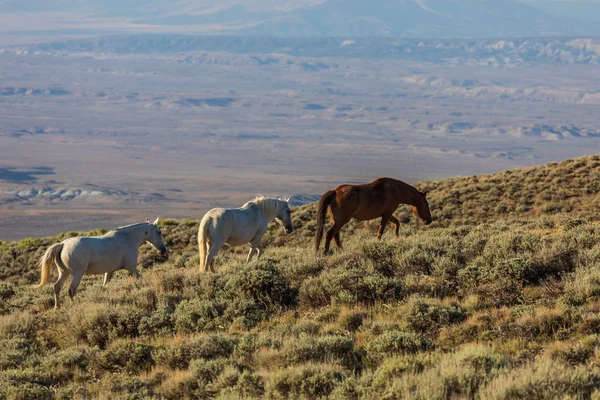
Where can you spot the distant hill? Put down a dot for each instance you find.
(319, 18)
(583, 9)
(425, 18)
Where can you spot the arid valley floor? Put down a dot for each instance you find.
(103, 132)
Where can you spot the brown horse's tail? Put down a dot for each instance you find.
(324, 203)
(50, 258)
(203, 241)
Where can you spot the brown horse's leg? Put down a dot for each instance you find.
(384, 220)
(396, 223)
(333, 232)
(337, 240)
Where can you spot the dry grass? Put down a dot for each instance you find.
(504, 309)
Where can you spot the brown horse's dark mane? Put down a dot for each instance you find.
(403, 184)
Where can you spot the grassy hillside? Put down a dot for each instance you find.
(500, 303)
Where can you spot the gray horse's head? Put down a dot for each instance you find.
(154, 237)
(284, 216)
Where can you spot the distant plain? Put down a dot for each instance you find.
(98, 139)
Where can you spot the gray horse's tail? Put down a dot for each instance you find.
(50, 258)
(203, 241)
(324, 203)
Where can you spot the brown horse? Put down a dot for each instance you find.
(379, 198)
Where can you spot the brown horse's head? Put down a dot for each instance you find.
(421, 208)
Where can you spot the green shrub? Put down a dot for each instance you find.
(253, 292)
(382, 255)
(35, 379)
(352, 320)
(159, 322)
(423, 317)
(71, 359)
(19, 325)
(456, 375)
(351, 388)
(126, 356)
(96, 327)
(206, 371)
(13, 352)
(399, 365)
(178, 356)
(92, 328)
(306, 381)
(197, 315)
(582, 285)
(29, 243)
(249, 385)
(124, 386)
(307, 327)
(246, 348)
(444, 271)
(351, 282)
(7, 290)
(325, 349)
(544, 379)
(397, 342)
(574, 353)
(28, 391)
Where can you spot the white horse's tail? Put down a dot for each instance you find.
(203, 235)
(50, 258)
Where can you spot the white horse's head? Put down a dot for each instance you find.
(154, 237)
(284, 215)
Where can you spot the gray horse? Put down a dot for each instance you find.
(78, 256)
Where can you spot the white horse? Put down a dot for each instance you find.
(117, 249)
(237, 226)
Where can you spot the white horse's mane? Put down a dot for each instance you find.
(269, 205)
(130, 226)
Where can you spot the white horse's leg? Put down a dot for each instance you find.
(62, 277)
(250, 254)
(214, 249)
(107, 277)
(209, 259)
(75, 281)
(130, 265)
(255, 244)
(259, 251)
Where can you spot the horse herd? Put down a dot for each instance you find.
(118, 249)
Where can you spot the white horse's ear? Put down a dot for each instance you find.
(287, 200)
(155, 222)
